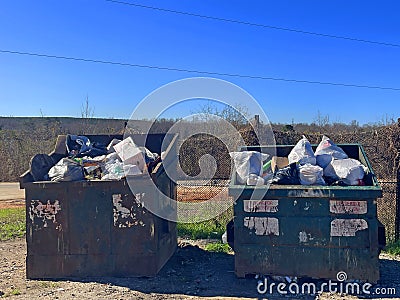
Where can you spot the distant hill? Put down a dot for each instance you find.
(64, 124)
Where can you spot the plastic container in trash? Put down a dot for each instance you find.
(98, 228)
(308, 231)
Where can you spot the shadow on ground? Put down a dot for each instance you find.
(195, 272)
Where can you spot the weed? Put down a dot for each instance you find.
(12, 223)
(218, 247)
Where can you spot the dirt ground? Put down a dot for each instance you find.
(192, 273)
(11, 195)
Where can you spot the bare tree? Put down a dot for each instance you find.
(86, 110)
(321, 120)
(87, 115)
(237, 115)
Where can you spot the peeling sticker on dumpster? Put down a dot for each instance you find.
(308, 193)
(125, 213)
(347, 227)
(42, 215)
(305, 237)
(262, 225)
(348, 207)
(270, 206)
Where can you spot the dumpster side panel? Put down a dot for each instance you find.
(307, 231)
(46, 220)
(167, 232)
(131, 219)
(305, 245)
(89, 220)
(99, 228)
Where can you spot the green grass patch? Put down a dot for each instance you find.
(210, 229)
(218, 247)
(15, 292)
(12, 223)
(393, 248)
(202, 230)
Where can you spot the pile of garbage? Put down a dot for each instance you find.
(329, 165)
(88, 160)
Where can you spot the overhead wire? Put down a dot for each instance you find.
(127, 64)
(254, 24)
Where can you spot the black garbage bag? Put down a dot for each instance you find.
(334, 182)
(287, 175)
(40, 165)
(79, 146)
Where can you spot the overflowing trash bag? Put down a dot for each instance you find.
(249, 163)
(349, 171)
(115, 169)
(329, 165)
(94, 161)
(311, 175)
(40, 165)
(79, 146)
(302, 153)
(326, 151)
(287, 175)
(66, 170)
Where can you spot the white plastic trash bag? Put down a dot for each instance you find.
(254, 179)
(351, 171)
(328, 150)
(115, 169)
(311, 175)
(302, 153)
(246, 163)
(66, 170)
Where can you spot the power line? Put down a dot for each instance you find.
(255, 24)
(195, 71)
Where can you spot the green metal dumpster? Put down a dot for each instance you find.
(307, 231)
(98, 228)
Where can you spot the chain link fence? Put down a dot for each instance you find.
(210, 197)
(201, 192)
(387, 209)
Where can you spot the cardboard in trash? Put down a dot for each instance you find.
(130, 154)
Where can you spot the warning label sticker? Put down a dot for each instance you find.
(270, 206)
(348, 207)
(347, 227)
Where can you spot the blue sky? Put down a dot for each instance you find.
(102, 30)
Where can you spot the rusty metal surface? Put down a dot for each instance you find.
(97, 228)
(308, 231)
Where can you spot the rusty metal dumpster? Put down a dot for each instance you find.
(308, 231)
(98, 228)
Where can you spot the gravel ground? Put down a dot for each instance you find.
(191, 273)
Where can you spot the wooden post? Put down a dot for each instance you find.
(256, 123)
